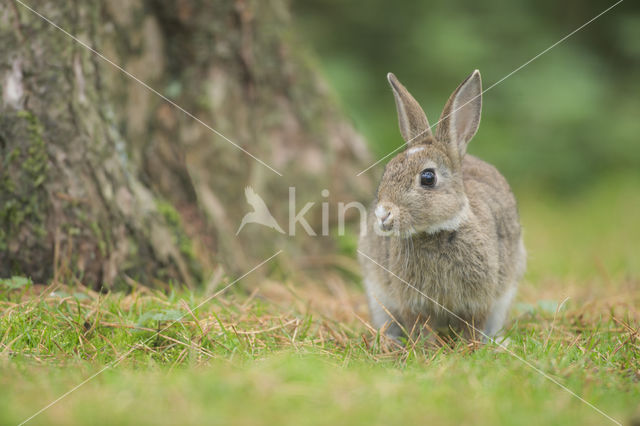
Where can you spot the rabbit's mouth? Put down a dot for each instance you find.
(404, 234)
(392, 221)
(396, 229)
(387, 215)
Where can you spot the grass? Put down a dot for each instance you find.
(268, 358)
(298, 352)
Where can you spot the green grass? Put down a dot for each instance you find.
(255, 361)
(294, 353)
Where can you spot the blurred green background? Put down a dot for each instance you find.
(564, 120)
(564, 130)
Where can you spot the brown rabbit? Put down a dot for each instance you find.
(443, 222)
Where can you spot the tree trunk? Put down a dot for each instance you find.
(104, 180)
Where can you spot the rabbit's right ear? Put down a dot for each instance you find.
(411, 118)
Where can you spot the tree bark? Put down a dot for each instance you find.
(104, 180)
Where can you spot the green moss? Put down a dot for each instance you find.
(22, 179)
(100, 238)
(182, 240)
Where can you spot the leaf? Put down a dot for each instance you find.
(80, 296)
(168, 315)
(15, 283)
(524, 307)
(548, 305)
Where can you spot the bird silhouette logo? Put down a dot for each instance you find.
(260, 214)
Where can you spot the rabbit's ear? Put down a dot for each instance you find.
(461, 115)
(411, 118)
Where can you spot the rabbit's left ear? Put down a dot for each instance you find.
(461, 115)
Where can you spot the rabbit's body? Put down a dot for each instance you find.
(455, 244)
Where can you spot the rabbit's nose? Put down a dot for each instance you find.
(385, 216)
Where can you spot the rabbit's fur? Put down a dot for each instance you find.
(458, 242)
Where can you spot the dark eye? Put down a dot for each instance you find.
(428, 177)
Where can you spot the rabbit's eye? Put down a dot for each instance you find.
(428, 177)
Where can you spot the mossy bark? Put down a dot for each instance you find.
(101, 173)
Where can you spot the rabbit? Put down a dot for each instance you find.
(443, 249)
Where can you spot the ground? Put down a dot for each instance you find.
(296, 351)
